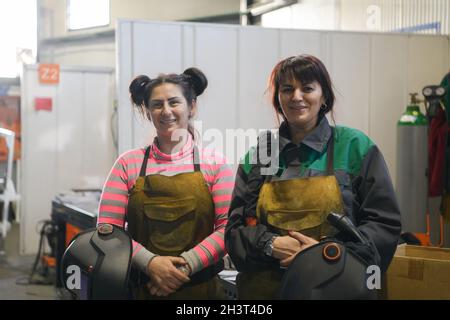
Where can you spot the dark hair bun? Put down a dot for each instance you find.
(138, 89)
(198, 80)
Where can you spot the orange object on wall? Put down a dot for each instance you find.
(71, 232)
(48, 73)
(10, 119)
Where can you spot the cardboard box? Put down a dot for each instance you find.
(418, 272)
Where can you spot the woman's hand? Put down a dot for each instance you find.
(284, 247)
(165, 278)
(304, 243)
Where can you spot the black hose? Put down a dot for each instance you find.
(29, 279)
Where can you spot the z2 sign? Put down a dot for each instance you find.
(48, 73)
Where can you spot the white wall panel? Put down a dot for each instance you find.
(427, 61)
(349, 68)
(217, 106)
(39, 159)
(97, 92)
(389, 96)
(294, 42)
(372, 73)
(156, 49)
(258, 52)
(125, 70)
(188, 46)
(68, 108)
(68, 147)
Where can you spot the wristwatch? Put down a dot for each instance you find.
(268, 248)
(184, 269)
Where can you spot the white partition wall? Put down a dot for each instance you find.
(67, 147)
(372, 73)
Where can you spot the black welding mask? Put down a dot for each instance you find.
(330, 271)
(327, 271)
(97, 263)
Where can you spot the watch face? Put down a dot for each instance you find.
(268, 248)
(427, 91)
(440, 91)
(183, 269)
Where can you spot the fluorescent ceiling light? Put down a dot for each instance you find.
(260, 9)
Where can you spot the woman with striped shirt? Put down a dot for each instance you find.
(173, 195)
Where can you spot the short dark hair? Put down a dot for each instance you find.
(305, 69)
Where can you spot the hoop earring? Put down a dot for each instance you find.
(147, 113)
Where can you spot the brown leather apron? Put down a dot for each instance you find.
(300, 204)
(170, 215)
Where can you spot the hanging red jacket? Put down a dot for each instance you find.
(436, 153)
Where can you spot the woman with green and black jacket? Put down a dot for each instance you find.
(318, 169)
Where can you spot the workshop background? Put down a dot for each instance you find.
(65, 112)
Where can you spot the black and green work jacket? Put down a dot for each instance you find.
(364, 181)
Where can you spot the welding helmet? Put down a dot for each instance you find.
(327, 271)
(97, 263)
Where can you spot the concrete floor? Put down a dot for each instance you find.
(15, 269)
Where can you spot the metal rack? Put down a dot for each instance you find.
(8, 192)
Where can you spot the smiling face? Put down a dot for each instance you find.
(169, 110)
(301, 92)
(300, 102)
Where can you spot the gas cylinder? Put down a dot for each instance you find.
(412, 155)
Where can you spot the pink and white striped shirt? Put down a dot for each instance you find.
(217, 173)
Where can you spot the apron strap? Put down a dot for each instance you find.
(141, 174)
(196, 159)
(330, 154)
(267, 178)
(144, 162)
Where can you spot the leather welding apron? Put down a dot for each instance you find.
(300, 204)
(170, 215)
